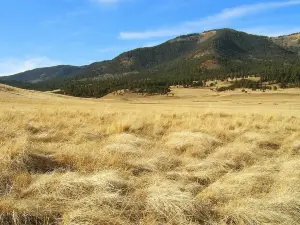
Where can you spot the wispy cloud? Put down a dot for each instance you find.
(219, 19)
(11, 66)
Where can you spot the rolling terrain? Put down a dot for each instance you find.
(198, 157)
(208, 55)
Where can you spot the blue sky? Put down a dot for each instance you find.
(38, 33)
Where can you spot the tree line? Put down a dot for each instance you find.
(186, 73)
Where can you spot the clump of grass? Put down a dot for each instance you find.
(198, 143)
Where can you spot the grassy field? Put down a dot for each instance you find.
(199, 157)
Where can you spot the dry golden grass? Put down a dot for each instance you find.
(113, 161)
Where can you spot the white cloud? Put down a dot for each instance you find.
(11, 66)
(209, 22)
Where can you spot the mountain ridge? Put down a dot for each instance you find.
(43, 73)
(223, 50)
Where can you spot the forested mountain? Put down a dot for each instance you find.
(209, 49)
(182, 60)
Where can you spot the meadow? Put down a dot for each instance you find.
(198, 157)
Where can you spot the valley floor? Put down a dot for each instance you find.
(198, 157)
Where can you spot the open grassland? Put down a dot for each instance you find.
(196, 158)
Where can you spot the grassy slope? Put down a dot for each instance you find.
(291, 42)
(95, 163)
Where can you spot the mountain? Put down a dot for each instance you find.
(208, 49)
(291, 42)
(44, 74)
(211, 54)
(216, 49)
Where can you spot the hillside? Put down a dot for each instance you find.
(212, 54)
(193, 51)
(291, 42)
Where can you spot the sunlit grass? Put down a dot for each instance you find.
(76, 165)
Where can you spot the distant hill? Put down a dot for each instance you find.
(211, 54)
(44, 74)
